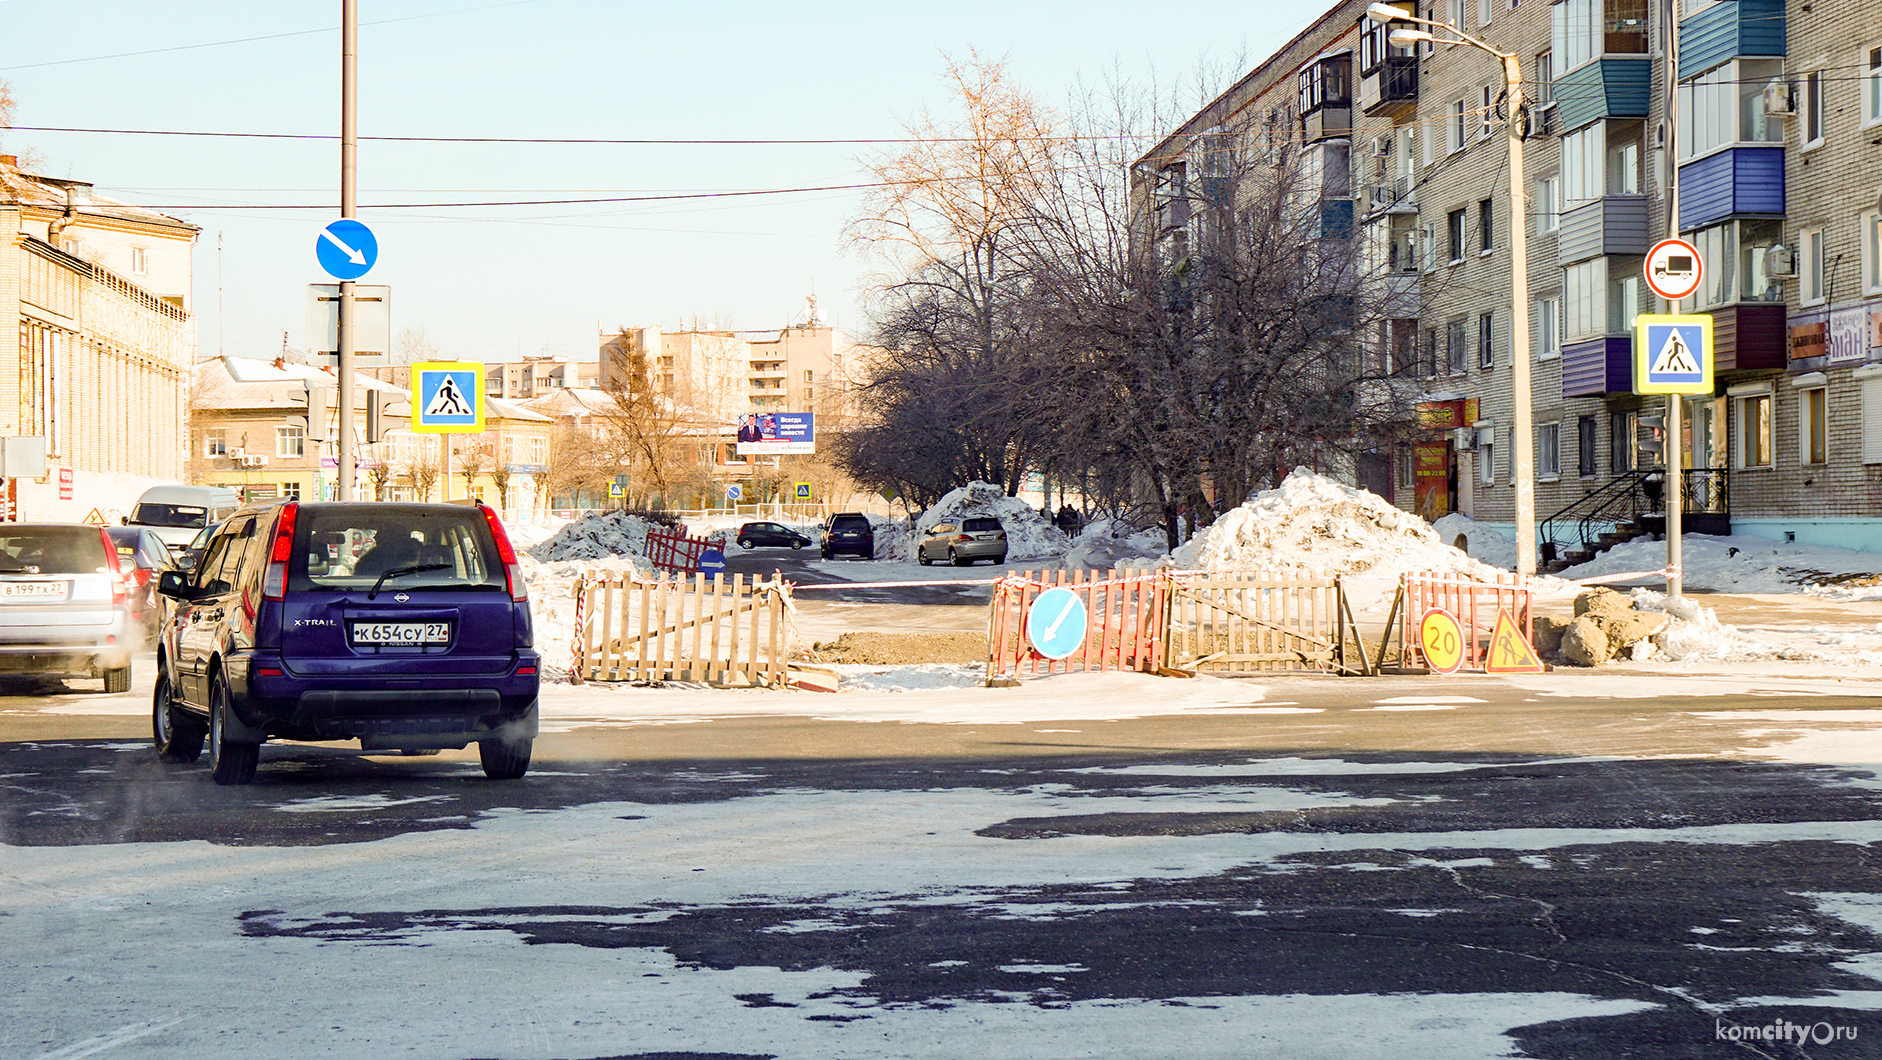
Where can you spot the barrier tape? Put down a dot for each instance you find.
(581, 634)
(1603, 579)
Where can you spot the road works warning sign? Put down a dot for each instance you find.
(1510, 651)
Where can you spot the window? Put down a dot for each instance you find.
(1624, 152)
(1486, 226)
(1872, 86)
(1458, 125)
(1457, 357)
(1486, 456)
(1871, 419)
(1626, 287)
(1871, 224)
(1545, 78)
(1548, 204)
(1582, 157)
(1486, 10)
(1486, 340)
(1620, 442)
(1754, 430)
(1813, 109)
(215, 443)
(1583, 30)
(1549, 450)
(140, 261)
(1584, 298)
(1585, 443)
(1813, 442)
(1486, 112)
(1457, 10)
(1726, 106)
(1737, 264)
(1546, 318)
(1454, 228)
(1402, 463)
(290, 491)
(290, 441)
(1810, 266)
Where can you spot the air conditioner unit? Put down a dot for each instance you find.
(1464, 439)
(1779, 100)
(236, 453)
(1780, 260)
(257, 460)
(1382, 146)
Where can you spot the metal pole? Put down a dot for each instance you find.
(1674, 451)
(349, 49)
(1524, 452)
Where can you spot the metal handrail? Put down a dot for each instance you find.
(1625, 491)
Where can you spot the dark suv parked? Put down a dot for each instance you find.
(403, 626)
(849, 532)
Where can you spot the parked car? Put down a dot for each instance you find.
(142, 556)
(64, 606)
(849, 532)
(186, 559)
(403, 626)
(753, 535)
(974, 539)
(176, 513)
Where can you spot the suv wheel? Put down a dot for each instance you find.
(229, 763)
(504, 759)
(179, 738)
(955, 558)
(921, 557)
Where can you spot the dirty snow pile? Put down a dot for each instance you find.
(599, 535)
(1482, 542)
(1314, 524)
(1691, 631)
(1028, 534)
(1742, 564)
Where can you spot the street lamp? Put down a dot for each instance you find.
(1523, 444)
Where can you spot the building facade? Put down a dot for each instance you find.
(100, 293)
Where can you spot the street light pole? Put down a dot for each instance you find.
(1523, 443)
(349, 49)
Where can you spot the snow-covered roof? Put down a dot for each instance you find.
(250, 383)
(27, 189)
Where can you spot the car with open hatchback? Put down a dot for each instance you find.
(405, 627)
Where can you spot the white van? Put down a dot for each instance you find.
(178, 513)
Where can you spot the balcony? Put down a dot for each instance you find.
(1605, 88)
(1598, 366)
(1738, 180)
(1729, 30)
(1749, 337)
(1328, 121)
(1396, 196)
(1391, 89)
(1613, 224)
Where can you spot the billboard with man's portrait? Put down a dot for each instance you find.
(772, 433)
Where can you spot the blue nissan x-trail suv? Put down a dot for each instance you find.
(403, 626)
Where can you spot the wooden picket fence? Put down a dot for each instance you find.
(1183, 623)
(676, 627)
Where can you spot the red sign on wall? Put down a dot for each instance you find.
(65, 483)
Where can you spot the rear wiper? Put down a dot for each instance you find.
(416, 568)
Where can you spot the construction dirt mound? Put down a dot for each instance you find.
(899, 649)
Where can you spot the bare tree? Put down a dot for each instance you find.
(473, 461)
(414, 345)
(502, 478)
(379, 474)
(578, 462)
(425, 471)
(28, 160)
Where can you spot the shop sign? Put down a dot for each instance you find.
(1807, 341)
(1441, 415)
(1849, 334)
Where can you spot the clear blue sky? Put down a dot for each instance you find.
(491, 283)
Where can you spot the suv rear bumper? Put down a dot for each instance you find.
(382, 717)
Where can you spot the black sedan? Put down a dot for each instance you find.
(143, 557)
(755, 535)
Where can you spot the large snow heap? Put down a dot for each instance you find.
(598, 535)
(1028, 534)
(1314, 524)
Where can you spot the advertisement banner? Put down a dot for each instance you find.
(771, 433)
(1849, 334)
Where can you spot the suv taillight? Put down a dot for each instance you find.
(119, 591)
(274, 581)
(963, 537)
(512, 571)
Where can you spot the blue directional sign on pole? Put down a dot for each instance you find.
(712, 561)
(448, 397)
(1056, 623)
(734, 492)
(346, 249)
(1673, 353)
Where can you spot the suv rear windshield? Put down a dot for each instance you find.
(351, 547)
(52, 550)
(170, 514)
(981, 524)
(849, 522)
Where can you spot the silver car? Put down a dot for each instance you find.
(65, 607)
(973, 539)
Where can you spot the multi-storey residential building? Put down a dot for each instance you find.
(1778, 154)
(100, 292)
(532, 376)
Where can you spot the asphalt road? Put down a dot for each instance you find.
(1400, 868)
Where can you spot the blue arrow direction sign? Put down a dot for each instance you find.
(712, 561)
(1056, 623)
(1673, 353)
(346, 249)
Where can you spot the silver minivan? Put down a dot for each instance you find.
(178, 513)
(64, 604)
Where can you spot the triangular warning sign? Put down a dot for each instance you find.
(96, 518)
(1510, 651)
(1674, 357)
(448, 401)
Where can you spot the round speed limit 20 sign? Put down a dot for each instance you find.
(1441, 638)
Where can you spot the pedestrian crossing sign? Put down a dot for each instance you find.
(448, 397)
(1673, 353)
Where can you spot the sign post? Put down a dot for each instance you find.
(1673, 356)
(447, 399)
